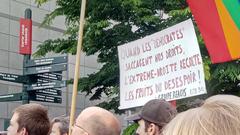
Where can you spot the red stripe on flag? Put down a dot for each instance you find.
(208, 21)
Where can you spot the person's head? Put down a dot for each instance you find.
(60, 126)
(29, 119)
(96, 121)
(219, 115)
(154, 115)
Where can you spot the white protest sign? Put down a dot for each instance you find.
(165, 65)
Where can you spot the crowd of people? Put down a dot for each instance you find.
(218, 115)
(32, 119)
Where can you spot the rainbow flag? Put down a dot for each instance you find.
(219, 24)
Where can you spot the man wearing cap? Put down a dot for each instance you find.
(154, 115)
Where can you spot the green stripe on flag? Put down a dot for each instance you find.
(233, 7)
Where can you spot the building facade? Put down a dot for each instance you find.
(12, 62)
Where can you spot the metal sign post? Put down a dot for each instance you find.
(26, 47)
(40, 77)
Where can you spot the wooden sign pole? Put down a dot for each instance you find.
(77, 66)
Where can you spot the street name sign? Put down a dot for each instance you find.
(47, 85)
(11, 97)
(50, 76)
(45, 69)
(13, 78)
(53, 92)
(46, 61)
(45, 98)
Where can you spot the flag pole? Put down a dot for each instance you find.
(77, 66)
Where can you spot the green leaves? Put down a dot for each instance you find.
(40, 2)
(50, 17)
(110, 23)
(130, 130)
(57, 46)
(227, 72)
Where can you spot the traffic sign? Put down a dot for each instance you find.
(13, 78)
(54, 92)
(46, 61)
(47, 85)
(45, 98)
(45, 69)
(11, 97)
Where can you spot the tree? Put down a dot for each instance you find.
(110, 23)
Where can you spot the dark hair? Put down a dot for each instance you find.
(34, 118)
(147, 124)
(64, 124)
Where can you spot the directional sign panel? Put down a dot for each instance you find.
(46, 61)
(50, 76)
(45, 77)
(13, 78)
(11, 97)
(45, 98)
(38, 86)
(45, 69)
(53, 92)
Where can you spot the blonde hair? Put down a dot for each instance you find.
(219, 115)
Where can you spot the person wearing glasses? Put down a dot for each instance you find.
(96, 121)
(154, 115)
